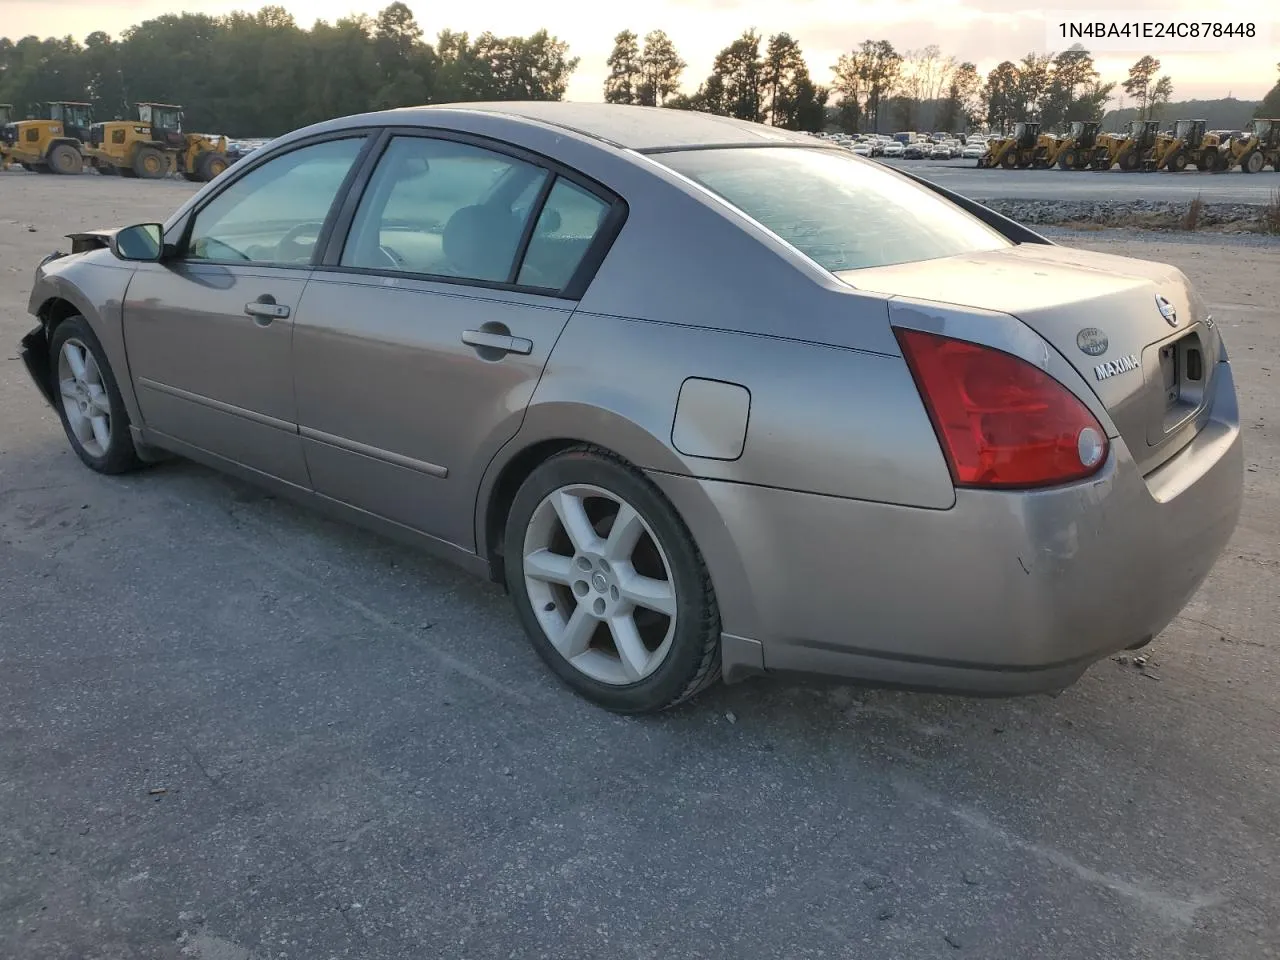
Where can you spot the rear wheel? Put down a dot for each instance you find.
(1253, 162)
(1178, 162)
(149, 163)
(89, 403)
(1069, 159)
(1128, 161)
(1008, 160)
(609, 584)
(66, 159)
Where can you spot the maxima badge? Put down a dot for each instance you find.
(1105, 371)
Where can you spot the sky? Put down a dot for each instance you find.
(984, 31)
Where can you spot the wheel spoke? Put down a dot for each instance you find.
(92, 375)
(624, 534)
(649, 593)
(576, 635)
(549, 567)
(101, 431)
(573, 516)
(67, 388)
(75, 360)
(80, 425)
(98, 397)
(631, 649)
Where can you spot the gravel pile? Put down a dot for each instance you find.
(1151, 213)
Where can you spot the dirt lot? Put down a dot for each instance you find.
(360, 757)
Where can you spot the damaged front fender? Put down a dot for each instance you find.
(35, 354)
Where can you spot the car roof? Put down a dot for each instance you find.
(645, 129)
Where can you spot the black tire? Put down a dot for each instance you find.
(1206, 160)
(1129, 161)
(1069, 159)
(120, 456)
(66, 159)
(1009, 160)
(209, 165)
(693, 661)
(1178, 162)
(1253, 162)
(149, 164)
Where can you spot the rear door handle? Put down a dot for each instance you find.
(497, 341)
(266, 308)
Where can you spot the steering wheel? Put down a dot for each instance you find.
(290, 250)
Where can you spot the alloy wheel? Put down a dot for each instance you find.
(600, 584)
(84, 398)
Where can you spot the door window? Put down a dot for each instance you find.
(275, 213)
(443, 209)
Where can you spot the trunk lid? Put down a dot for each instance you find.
(1105, 314)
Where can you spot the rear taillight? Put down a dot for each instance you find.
(1002, 422)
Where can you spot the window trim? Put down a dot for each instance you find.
(182, 246)
(610, 225)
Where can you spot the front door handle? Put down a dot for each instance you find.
(266, 309)
(497, 341)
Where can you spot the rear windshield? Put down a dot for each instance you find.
(841, 211)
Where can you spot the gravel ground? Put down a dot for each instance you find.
(231, 730)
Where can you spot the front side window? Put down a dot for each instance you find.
(441, 208)
(275, 213)
(842, 212)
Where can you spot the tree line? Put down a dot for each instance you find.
(262, 74)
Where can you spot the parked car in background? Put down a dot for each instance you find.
(862, 149)
(974, 149)
(916, 150)
(894, 149)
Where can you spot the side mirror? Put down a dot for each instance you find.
(143, 242)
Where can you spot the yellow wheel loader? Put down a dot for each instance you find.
(1253, 150)
(1127, 150)
(155, 146)
(1177, 150)
(1077, 148)
(1016, 150)
(53, 145)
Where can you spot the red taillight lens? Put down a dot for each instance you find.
(1002, 422)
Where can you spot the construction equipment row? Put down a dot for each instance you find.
(148, 148)
(1141, 146)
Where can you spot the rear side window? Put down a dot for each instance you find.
(443, 209)
(569, 222)
(840, 211)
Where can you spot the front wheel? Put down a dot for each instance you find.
(609, 584)
(66, 159)
(89, 402)
(1178, 162)
(1253, 162)
(149, 164)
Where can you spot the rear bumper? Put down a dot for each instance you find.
(1004, 593)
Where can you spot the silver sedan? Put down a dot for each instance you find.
(710, 399)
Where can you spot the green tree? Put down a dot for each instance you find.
(781, 71)
(1004, 95)
(625, 77)
(660, 68)
(1142, 83)
(1161, 94)
(863, 78)
(1270, 105)
(742, 71)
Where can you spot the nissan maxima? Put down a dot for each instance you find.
(710, 399)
